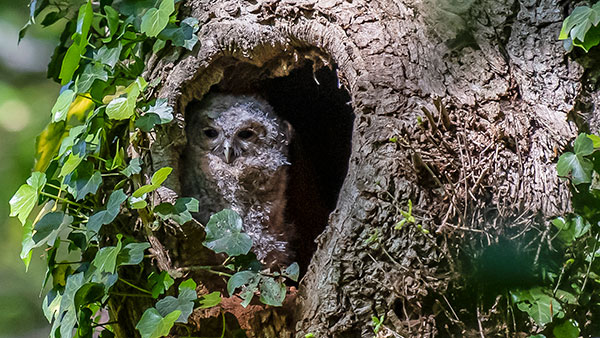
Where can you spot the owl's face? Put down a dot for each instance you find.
(233, 127)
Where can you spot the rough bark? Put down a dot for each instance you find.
(460, 107)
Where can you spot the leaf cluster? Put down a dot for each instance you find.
(88, 175)
(564, 305)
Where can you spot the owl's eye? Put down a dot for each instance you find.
(211, 133)
(245, 134)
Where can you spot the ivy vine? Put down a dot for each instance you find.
(88, 173)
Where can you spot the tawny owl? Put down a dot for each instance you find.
(237, 158)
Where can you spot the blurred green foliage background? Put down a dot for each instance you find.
(26, 97)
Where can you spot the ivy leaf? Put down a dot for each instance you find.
(27, 244)
(104, 217)
(567, 329)
(70, 164)
(579, 22)
(83, 181)
(67, 306)
(224, 234)
(49, 226)
(248, 280)
(91, 73)
(572, 228)
(210, 300)
(147, 122)
(575, 163)
(159, 113)
(271, 291)
(157, 179)
(88, 293)
(119, 109)
(70, 63)
(184, 303)
(160, 283)
(132, 254)
(155, 20)
(153, 325)
(180, 212)
(538, 305)
(583, 145)
(108, 56)
(61, 107)
(112, 19)
(26, 197)
(106, 258)
(133, 168)
(292, 272)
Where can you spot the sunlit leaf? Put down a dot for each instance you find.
(224, 234)
(153, 325)
(61, 107)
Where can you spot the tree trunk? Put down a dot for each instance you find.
(459, 107)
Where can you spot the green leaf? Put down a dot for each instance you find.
(248, 280)
(84, 22)
(292, 272)
(579, 167)
(133, 168)
(153, 325)
(49, 226)
(27, 244)
(26, 197)
(271, 292)
(537, 304)
(71, 164)
(67, 306)
(160, 283)
(579, 22)
(224, 234)
(104, 217)
(108, 56)
(132, 254)
(240, 279)
(83, 181)
(184, 303)
(91, 73)
(138, 202)
(583, 145)
(155, 20)
(180, 212)
(70, 63)
(88, 293)
(61, 107)
(159, 113)
(106, 258)
(595, 140)
(210, 300)
(157, 179)
(567, 329)
(119, 109)
(112, 18)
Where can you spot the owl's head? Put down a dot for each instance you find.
(234, 126)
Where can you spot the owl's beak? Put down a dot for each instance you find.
(228, 153)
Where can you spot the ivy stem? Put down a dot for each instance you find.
(206, 268)
(587, 274)
(53, 186)
(64, 200)
(130, 294)
(135, 286)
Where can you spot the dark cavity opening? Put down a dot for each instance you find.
(319, 109)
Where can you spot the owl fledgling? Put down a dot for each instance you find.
(237, 157)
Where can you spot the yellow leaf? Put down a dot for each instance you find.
(48, 142)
